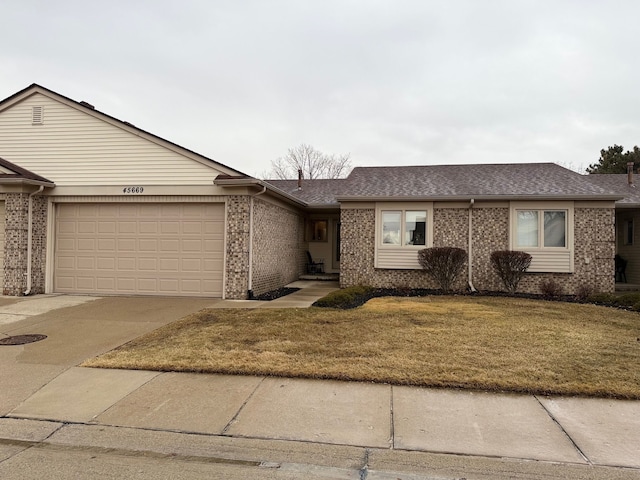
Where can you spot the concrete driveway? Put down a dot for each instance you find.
(77, 328)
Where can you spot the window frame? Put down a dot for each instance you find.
(401, 256)
(545, 259)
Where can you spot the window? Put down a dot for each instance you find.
(545, 231)
(541, 229)
(402, 229)
(628, 232)
(318, 230)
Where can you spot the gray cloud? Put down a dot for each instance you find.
(402, 82)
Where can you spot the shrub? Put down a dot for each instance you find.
(510, 265)
(550, 288)
(606, 298)
(343, 297)
(583, 292)
(443, 264)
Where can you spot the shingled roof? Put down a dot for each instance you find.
(318, 192)
(516, 181)
(619, 183)
(10, 172)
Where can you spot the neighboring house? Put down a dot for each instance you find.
(627, 218)
(92, 204)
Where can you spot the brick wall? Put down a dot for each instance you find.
(593, 234)
(276, 246)
(16, 238)
(237, 248)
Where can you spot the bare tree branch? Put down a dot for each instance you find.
(313, 163)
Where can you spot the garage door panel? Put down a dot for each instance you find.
(86, 263)
(125, 227)
(149, 249)
(87, 244)
(106, 263)
(104, 227)
(189, 245)
(148, 227)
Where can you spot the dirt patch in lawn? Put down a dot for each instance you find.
(488, 343)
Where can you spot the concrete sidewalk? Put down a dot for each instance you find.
(47, 398)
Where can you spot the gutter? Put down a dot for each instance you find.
(250, 283)
(467, 198)
(254, 182)
(470, 259)
(30, 239)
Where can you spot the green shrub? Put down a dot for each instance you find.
(607, 298)
(343, 297)
(443, 264)
(628, 299)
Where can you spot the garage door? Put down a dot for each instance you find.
(139, 249)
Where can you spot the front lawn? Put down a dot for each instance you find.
(488, 343)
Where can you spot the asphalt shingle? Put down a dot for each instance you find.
(509, 181)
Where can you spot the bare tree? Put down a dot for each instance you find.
(313, 163)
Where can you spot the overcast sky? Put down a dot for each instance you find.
(390, 82)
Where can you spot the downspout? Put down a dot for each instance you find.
(29, 239)
(250, 286)
(471, 287)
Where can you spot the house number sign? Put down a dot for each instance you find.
(132, 190)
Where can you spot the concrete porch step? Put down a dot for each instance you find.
(323, 277)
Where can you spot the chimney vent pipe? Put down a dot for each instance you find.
(630, 172)
(299, 179)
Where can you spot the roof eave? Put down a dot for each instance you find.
(460, 198)
(254, 182)
(26, 181)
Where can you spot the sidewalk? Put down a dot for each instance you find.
(110, 408)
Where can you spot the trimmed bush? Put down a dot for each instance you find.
(343, 297)
(443, 264)
(510, 265)
(550, 288)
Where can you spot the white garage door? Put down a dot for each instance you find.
(139, 249)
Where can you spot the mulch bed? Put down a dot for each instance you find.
(273, 294)
(423, 292)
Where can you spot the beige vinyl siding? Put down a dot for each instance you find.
(139, 249)
(398, 258)
(631, 253)
(551, 262)
(74, 148)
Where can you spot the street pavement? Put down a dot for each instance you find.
(59, 420)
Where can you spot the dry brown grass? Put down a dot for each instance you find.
(488, 343)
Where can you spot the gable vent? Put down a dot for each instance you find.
(37, 115)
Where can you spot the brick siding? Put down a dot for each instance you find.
(16, 238)
(276, 246)
(593, 239)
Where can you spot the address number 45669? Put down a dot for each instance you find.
(133, 190)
